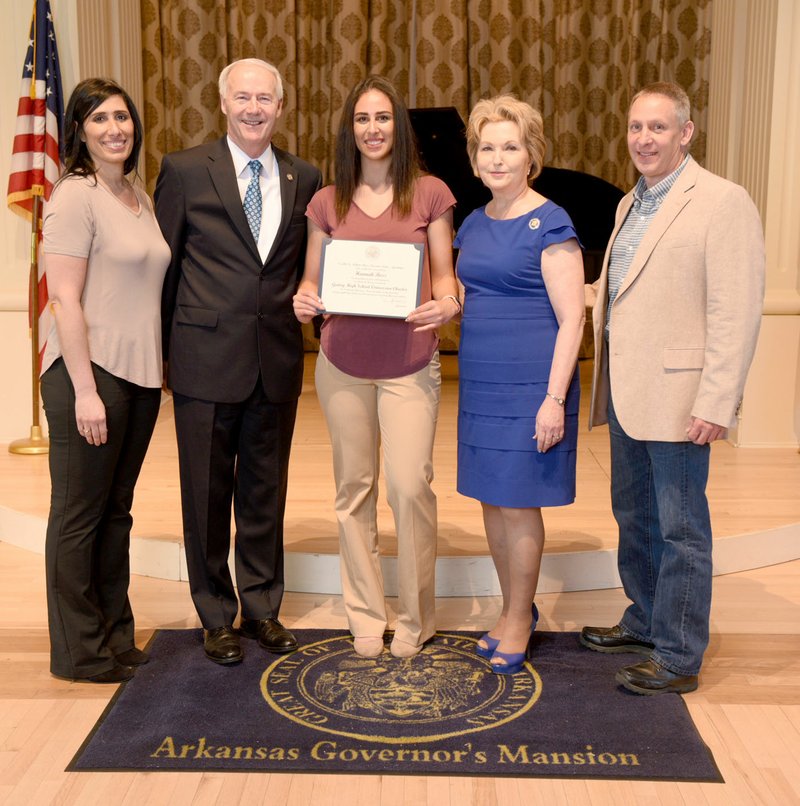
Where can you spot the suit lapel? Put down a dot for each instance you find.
(679, 196)
(621, 214)
(288, 178)
(223, 177)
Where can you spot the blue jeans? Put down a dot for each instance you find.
(659, 502)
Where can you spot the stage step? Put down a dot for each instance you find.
(753, 494)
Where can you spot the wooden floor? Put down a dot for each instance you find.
(750, 489)
(747, 708)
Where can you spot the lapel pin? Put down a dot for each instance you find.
(290, 177)
(534, 223)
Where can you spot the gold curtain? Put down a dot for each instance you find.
(576, 60)
(321, 47)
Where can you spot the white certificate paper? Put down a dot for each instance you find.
(370, 278)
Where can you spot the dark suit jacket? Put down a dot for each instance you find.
(226, 316)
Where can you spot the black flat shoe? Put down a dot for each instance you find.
(116, 674)
(270, 633)
(222, 645)
(650, 678)
(613, 639)
(132, 657)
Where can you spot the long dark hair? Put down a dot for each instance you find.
(405, 162)
(85, 98)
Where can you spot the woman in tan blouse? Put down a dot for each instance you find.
(101, 376)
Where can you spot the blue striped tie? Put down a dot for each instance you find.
(252, 200)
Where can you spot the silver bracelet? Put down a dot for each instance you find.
(559, 400)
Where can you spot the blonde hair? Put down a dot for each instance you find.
(507, 107)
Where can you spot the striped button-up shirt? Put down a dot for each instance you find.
(646, 203)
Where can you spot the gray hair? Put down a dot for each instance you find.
(223, 76)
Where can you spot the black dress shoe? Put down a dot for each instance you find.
(116, 674)
(613, 639)
(271, 634)
(132, 657)
(222, 645)
(650, 678)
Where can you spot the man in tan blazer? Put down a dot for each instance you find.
(675, 326)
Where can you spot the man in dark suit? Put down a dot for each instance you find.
(233, 213)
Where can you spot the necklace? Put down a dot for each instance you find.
(510, 210)
(123, 191)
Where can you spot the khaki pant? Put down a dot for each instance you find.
(400, 415)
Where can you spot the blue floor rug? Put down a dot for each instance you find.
(325, 709)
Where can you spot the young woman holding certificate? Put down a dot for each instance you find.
(378, 378)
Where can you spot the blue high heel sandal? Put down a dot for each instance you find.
(514, 661)
(491, 643)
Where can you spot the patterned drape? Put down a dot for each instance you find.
(576, 60)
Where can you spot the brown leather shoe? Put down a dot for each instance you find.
(222, 645)
(651, 678)
(271, 634)
(613, 639)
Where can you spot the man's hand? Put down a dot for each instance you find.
(701, 432)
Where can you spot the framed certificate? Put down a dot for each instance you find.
(370, 278)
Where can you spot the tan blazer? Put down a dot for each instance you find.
(685, 322)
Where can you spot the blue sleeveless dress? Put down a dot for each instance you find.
(508, 334)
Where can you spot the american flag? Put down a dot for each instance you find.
(35, 164)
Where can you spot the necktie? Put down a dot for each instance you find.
(252, 200)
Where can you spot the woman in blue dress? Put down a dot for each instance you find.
(520, 263)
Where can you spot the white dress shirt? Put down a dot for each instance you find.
(270, 183)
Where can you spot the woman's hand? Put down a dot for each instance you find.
(306, 301)
(444, 306)
(66, 276)
(90, 417)
(307, 305)
(433, 314)
(549, 425)
(562, 270)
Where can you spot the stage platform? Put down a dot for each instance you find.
(754, 495)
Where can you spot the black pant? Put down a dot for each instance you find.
(88, 531)
(234, 452)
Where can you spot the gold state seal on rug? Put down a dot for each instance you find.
(443, 692)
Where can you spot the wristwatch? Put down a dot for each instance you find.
(559, 400)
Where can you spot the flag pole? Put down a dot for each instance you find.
(35, 443)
